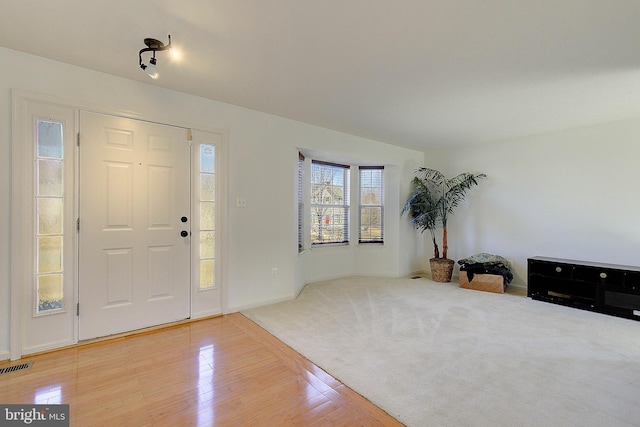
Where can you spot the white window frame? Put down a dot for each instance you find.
(327, 194)
(363, 204)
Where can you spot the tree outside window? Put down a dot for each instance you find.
(329, 203)
(371, 204)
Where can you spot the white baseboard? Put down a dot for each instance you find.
(206, 313)
(519, 286)
(46, 347)
(4, 355)
(259, 304)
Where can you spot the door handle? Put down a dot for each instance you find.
(184, 233)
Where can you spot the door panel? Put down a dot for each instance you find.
(134, 265)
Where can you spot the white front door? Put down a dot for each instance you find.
(134, 239)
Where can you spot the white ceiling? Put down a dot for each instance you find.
(416, 73)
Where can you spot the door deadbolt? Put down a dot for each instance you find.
(184, 219)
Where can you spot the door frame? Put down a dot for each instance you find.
(22, 260)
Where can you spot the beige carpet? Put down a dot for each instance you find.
(432, 354)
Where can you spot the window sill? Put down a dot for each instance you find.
(329, 246)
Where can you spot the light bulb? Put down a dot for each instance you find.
(151, 69)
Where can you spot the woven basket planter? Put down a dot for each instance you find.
(441, 269)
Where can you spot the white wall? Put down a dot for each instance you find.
(570, 194)
(262, 161)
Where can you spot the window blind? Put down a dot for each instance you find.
(329, 203)
(371, 204)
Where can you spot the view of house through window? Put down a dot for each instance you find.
(330, 207)
(207, 215)
(49, 218)
(371, 204)
(329, 203)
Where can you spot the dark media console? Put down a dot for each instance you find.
(605, 288)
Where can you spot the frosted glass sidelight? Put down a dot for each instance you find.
(50, 254)
(207, 158)
(207, 215)
(50, 211)
(49, 139)
(207, 187)
(49, 219)
(207, 210)
(207, 273)
(49, 292)
(207, 244)
(50, 182)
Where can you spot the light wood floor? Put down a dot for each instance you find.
(220, 371)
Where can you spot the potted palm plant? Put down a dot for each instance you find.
(433, 199)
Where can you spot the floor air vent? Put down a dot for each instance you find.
(15, 368)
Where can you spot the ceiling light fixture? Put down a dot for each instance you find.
(153, 46)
